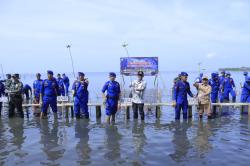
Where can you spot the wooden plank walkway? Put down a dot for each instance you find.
(127, 106)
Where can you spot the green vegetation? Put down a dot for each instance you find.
(235, 69)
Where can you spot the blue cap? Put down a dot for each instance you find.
(81, 74)
(112, 74)
(213, 75)
(201, 74)
(228, 73)
(248, 79)
(223, 71)
(245, 73)
(184, 74)
(50, 72)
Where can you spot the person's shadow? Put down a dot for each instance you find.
(139, 137)
(112, 141)
(82, 148)
(49, 140)
(180, 140)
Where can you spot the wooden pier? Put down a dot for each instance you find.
(127, 107)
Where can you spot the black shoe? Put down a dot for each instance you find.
(210, 117)
(201, 116)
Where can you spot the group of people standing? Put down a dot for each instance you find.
(213, 90)
(46, 91)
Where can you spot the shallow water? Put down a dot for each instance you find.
(225, 140)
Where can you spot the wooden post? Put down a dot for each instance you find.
(67, 112)
(98, 111)
(220, 110)
(72, 111)
(190, 113)
(242, 109)
(127, 112)
(248, 110)
(158, 111)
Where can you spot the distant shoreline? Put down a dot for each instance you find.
(236, 69)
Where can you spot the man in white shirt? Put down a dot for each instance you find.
(138, 89)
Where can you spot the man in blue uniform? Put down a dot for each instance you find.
(176, 79)
(221, 79)
(49, 91)
(60, 85)
(37, 84)
(2, 93)
(228, 87)
(27, 91)
(245, 95)
(245, 74)
(214, 82)
(81, 96)
(181, 89)
(66, 83)
(112, 97)
(199, 79)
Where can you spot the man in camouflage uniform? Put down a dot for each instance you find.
(15, 95)
(7, 82)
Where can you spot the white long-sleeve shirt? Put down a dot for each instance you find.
(138, 90)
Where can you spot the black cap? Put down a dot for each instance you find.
(140, 73)
(17, 75)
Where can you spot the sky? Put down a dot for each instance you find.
(182, 33)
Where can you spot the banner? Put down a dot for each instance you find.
(131, 65)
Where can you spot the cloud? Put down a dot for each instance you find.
(211, 55)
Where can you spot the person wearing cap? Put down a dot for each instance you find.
(2, 93)
(111, 95)
(138, 89)
(27, 91)
(66, 83)
(81, 96)
(15, 97)
(228, 87)
(176, 79)
(37, 84)
(8, 81)
(17, 76)
(204, 101)
(199, 79)
(60, 85)
(245, 95)
(181, 90)
(245, 74)
(214, 82)
(221, 79)
(48, 95)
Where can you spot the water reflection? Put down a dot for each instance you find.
(3, 143)
(49, 140)
(202, 140)
(82, 148)
(139, 138)
(112, 141)
(180, 140)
